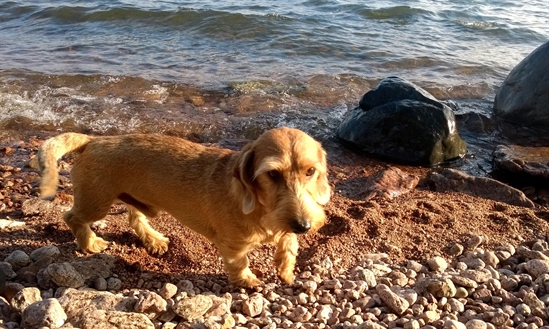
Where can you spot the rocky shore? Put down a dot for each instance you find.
(507, 287)
(390, 257)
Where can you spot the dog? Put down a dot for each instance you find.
(270, 191)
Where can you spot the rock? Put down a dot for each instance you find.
(473, 242)
(536, 306)
(453, 324)
(95, 266)
(192, 308)
(463, 281)
(7, 270)
(220, 307)
(430, 316)
(370, 325)
(64, 275)
(18, 259)
(150, 303)
(35, 267)
(80, 303)
(537, 267)
(101, 319)
(6, 311)
(100, 284)
(479, 276)
(309, 286)
(325, 312)
(476, 324)
(36, 206)
(7, 223)
(168, 290)
(332, 284)
(388, 183)
(24, 298)
(395, 110)
(114, 284)
(11, 289)
(46, 251)
(457, 181)
(524, 252)
(367, 276)
(253, 306)
(456, 249)
(300, 314)
(489, 258)
(46, 313)
(438, 286)
(522, 163)
(524, 94)
(392, 300)
(437, 264)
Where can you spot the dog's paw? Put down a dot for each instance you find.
(287, 276)
(95, 245)
(157, 246)
(248, 282)
(246, 279)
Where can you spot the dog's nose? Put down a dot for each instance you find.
(300, 226)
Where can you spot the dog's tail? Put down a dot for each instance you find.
(51, 151)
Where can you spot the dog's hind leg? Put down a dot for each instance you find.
(285, 256)
(154, 241)
(235, 261)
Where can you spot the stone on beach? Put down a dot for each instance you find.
(395, 110)
(524, 94)
(455, 180)
(46, 313)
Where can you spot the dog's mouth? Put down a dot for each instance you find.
(300, 226)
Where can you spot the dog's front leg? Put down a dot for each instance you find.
(237, 267)
(285, 256)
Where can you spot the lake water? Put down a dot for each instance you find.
(225, 69)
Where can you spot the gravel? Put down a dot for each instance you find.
(507, 287)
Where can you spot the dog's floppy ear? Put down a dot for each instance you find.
(244, 173)
(323, 191)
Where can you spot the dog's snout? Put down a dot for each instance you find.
(300, 226)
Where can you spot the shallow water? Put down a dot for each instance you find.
(214, 70)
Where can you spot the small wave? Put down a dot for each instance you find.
(399, 13)
(477, 25)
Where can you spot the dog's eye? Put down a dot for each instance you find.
(274, 174)
(311, 171)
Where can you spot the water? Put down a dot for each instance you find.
(220, 69)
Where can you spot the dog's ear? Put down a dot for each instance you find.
(244, 173)
(323, 191)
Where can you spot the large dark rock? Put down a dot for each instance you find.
(524, 96)
(402, 122)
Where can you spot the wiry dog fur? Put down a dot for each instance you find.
(272, 189)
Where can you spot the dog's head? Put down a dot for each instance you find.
(283, 174)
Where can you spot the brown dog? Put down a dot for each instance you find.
(267, 193)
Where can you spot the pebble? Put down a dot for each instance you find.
(192, 308)
(437, 264)
(253, 306)
(392, 300)
(65, 275)
(46, 251)
(18, 259)
(114, 284)
(47, 313)
(476, 324)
